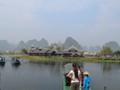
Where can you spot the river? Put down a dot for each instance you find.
(33, 75)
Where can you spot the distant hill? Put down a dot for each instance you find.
(42, 43)
(21, 45)
(113, 45)
(71, 42)
(5, 45)
(92, 48)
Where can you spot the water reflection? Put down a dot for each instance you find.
(104, 75)
(34, 75)
(15, 66)
(54, 67)
(107, 67)
(2, 65)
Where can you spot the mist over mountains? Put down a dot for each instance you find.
(43, 43)
(5, 45)
(113, 45)
(92, 48)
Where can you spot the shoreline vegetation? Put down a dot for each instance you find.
(69, 59)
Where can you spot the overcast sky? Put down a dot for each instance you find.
(90, 22)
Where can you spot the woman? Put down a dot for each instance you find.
(81, 76)
(74, 74)
(86, 81)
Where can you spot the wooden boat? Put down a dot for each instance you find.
(66, 80)
(15, 61)
(2, 60)
(65, 87)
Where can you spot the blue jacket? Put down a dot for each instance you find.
(86, 81)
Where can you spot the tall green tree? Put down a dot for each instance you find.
(24, 51)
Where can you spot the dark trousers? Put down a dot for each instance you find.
(75, 86)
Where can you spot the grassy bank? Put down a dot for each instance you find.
(38, 58)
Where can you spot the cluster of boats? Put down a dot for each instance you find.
(14, 61)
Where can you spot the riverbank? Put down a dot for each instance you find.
(38, 58)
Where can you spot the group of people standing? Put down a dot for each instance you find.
(78, 78)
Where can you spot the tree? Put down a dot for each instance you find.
(117, 53)
(24, 51)
(106, 51)
(58, 46)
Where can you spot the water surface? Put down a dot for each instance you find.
(48, 75)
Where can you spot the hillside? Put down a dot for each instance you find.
(113, 45)
(71, 42)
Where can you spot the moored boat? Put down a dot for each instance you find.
(2, 60)
(15, 61)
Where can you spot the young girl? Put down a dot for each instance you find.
(74, 74)
(86, 81)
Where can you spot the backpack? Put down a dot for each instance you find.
(67, 80)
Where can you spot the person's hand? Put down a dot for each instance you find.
(81, 84)
(73, 79)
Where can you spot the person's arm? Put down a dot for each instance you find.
(81, 79)
(79, 75)
(84, 82)
(70, 75)
(89, 81)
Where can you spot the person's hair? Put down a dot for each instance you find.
(75, 69)
(78, 66)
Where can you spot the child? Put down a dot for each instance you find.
(86, 81)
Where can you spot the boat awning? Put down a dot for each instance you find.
(67, 67)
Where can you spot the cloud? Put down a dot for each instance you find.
(19, 11)
(23, 13)
(108, 15)
(41, 16)
(63, 5)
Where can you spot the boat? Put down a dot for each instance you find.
(65, 87)
(2, 60)
(15, 61)
(66, 80)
